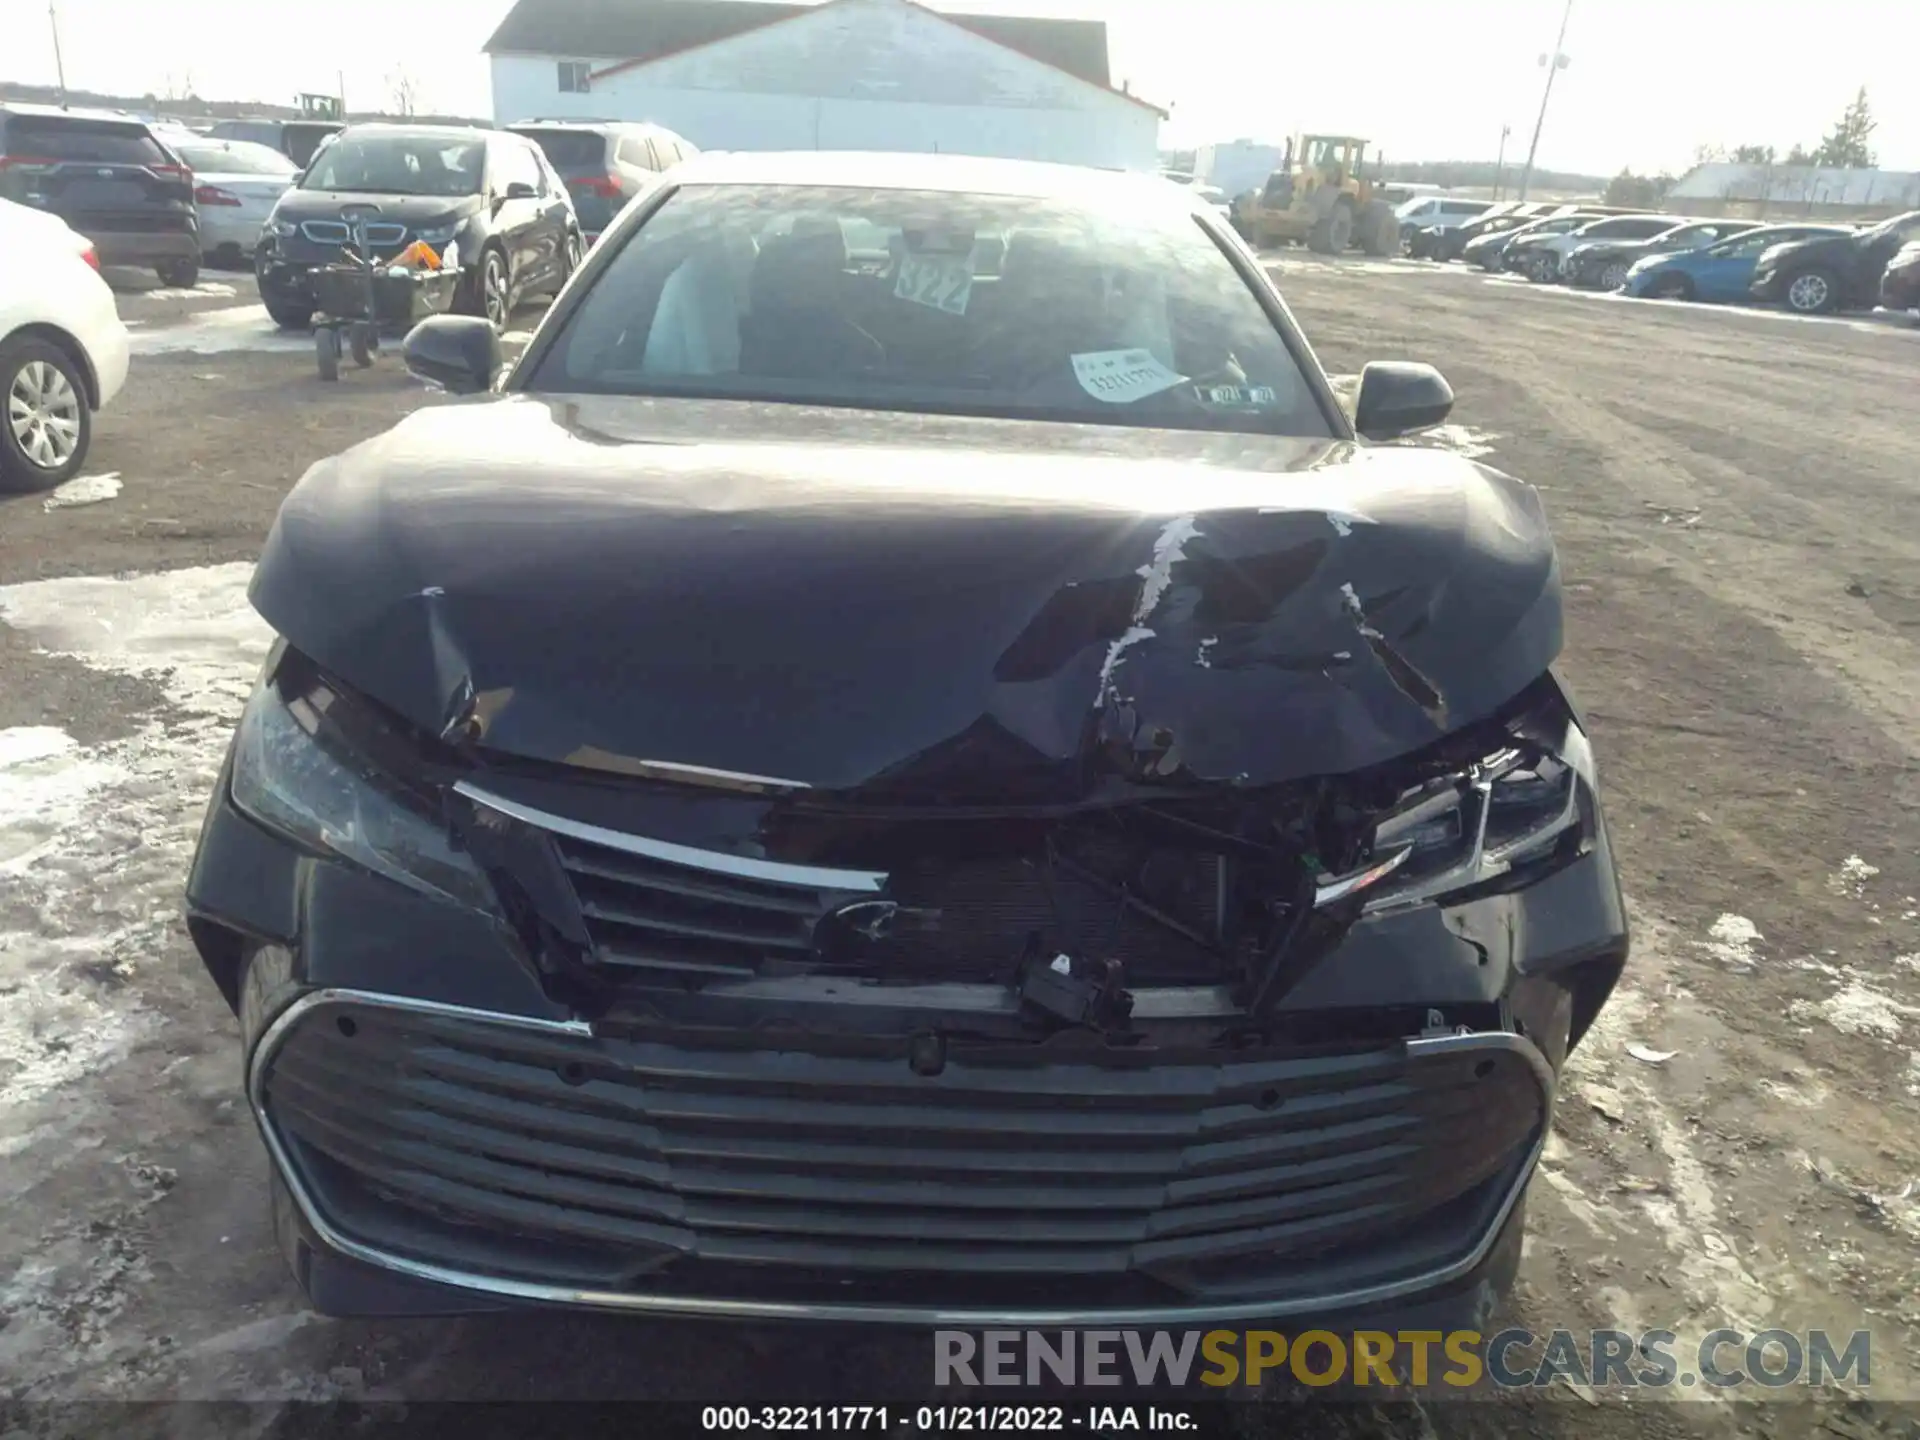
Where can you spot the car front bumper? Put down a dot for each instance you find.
(1768, 285)
(448, 1136)
(1900, 290)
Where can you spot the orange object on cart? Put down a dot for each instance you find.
(419, 255)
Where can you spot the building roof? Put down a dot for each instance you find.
(643, 30)
(1800, 184)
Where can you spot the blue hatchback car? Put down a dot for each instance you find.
(1716, 272)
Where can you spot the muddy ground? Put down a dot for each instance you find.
(1733, 496)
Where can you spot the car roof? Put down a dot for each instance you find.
(954, 174)
(415, 132)
(58, 112)
(594, 126)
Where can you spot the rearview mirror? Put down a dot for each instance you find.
(459, 353)
(1397, 397)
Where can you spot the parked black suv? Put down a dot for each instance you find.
(488, 197)
(605, 162)
(110, 179)
(295, 139)
(1833, 272)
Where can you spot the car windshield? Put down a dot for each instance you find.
(399, 165)
(939, 302)
(235, 158)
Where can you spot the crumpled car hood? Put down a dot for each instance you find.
(844, 599)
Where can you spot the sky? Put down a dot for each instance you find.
(1647, 82)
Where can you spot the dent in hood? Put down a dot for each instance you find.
(839, 599)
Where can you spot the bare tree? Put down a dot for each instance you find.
(405, 91)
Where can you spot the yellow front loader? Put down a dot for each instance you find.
(1322, 197)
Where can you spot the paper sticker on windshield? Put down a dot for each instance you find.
(1118, 376)
(1235, 397)
(942, 282)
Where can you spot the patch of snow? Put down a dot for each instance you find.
(1731, 940)
(1463, 440)
(220, 332)
(94, 840)
(84, 490)
(1913, 1073)
(1858, 1009)
(194, 292)
(1851, 878)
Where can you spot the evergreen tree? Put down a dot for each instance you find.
(1846, 147)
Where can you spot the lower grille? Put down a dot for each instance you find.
(556, 1156)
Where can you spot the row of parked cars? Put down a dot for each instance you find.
(165, 196)
(1814, 269)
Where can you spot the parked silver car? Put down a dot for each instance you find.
(235, 185)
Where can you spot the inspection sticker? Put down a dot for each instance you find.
(1118, 376)
(942, 282)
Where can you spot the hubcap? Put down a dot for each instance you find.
(1614, 276)
(44, 414)
(1809, 292)
(494, 282)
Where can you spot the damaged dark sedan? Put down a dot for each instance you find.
(909, 762)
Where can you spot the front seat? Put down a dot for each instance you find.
(798, 322)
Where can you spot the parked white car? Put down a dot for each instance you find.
(1437, 212)
(235, 185)
(1540, 257)
(63, 350)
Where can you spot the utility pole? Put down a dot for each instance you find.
(1500, 165)
(1555, 63)
(59, 65)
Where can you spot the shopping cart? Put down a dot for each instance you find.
(359, 297)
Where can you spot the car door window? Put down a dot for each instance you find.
(1747, 246)
(637, 153)
(515, 165)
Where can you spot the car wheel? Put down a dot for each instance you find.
(289, 316)
(494, 297)
(1542, 267)
(1614, 276)
(180, 274)
(576, 251)
(47, 423)
(1812, 293)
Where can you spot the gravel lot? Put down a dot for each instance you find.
(1733, 495)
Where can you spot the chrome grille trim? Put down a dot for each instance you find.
(811, 877)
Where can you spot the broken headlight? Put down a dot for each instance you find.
(289, 778)
(1512, 808)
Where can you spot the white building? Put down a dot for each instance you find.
(1790, 192)
(838, 75)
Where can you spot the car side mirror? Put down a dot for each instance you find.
(459, 353)
(1397, 397)
(520, 190)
